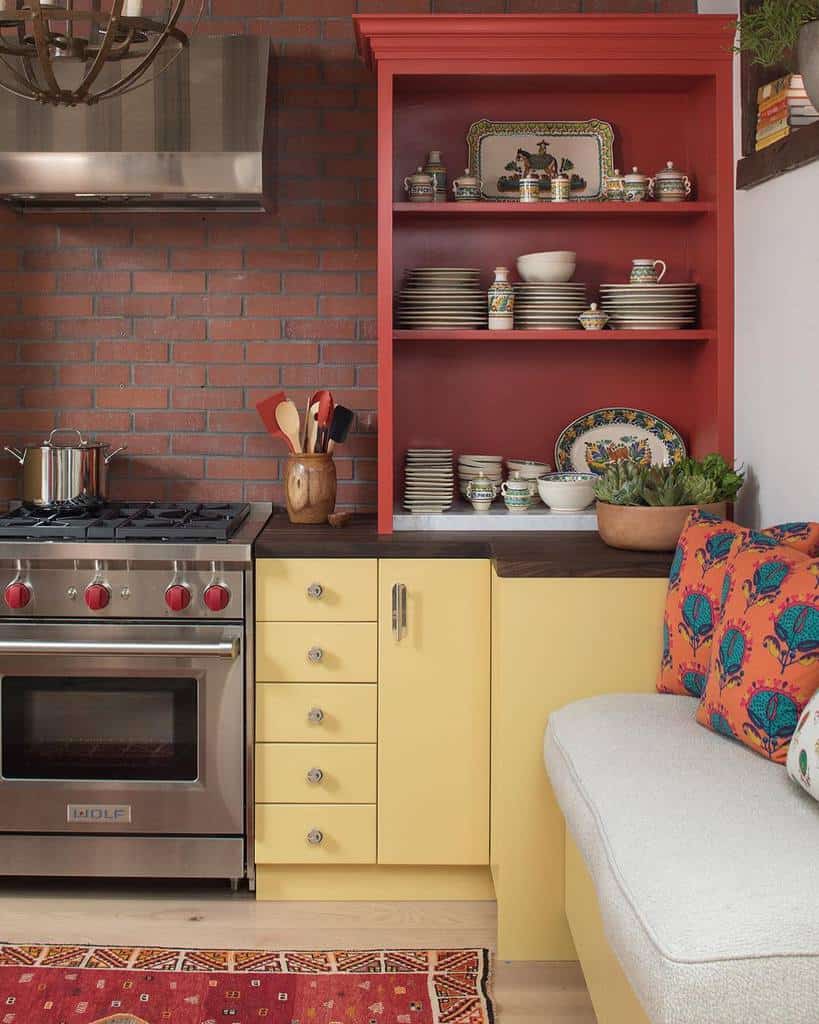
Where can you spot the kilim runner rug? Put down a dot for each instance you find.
(42, 984)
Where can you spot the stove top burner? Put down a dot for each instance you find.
(154, 521)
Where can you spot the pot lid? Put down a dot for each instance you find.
(670, 172)
(635, 176)
(79, 440)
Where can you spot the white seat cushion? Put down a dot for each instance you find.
(704, 855)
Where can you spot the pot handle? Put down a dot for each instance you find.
(64, 430)
(116, 451)
(17, 455)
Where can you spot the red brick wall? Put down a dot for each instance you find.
(165, 330)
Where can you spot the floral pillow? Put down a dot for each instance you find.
(765, 664)
(696, 596)
(803, 753)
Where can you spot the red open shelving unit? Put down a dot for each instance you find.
(665, 84)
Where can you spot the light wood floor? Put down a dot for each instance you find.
(208, 916)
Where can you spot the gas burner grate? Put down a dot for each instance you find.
(156, 521)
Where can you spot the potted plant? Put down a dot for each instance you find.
(776, 29)
(644, 508)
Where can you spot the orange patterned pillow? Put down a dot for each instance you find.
(765, 665)
(695, 591)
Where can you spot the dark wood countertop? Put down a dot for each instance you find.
(535, 555)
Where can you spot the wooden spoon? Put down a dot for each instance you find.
(287, 417)
(311, 430)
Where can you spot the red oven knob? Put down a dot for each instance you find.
(177, 597)
(217, 597)
(17, 595)
(97, 596)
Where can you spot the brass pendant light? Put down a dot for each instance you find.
(39, 40)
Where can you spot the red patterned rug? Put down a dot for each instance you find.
(128, 985)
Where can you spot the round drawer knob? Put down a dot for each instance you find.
(315, 836)
(315, 775)
(316, 591)
(314, 655)
(315, 715)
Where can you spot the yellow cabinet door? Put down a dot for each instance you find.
(316, 713)
(433, 712)
(316, 589)
(324, 652)
(315, 773)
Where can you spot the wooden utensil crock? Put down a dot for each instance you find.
(310, 487)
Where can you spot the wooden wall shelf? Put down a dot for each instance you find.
(798, 149)
(639, 211)
(581, 337)
(665, 84)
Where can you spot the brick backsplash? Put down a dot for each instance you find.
(165, 330)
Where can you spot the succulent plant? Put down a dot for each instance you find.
(690, 482)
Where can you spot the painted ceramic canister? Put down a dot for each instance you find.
(467, 188)
(614, 188)
(561, 188)
(670, 185)
(517, 494)
(436, 170)
(635, 186)
(529, 189)
(501, 301)
(594, 319)
(419, 187)
(645, 271)
(481, 492)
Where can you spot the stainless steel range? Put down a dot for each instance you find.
(126, 671)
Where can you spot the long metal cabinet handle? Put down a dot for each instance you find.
(399, 611)
(180, 648)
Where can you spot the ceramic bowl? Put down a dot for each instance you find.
(547, 267)
(567, 492)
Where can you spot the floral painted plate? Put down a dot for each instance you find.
(596, 439)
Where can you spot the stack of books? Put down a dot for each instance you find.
(782, 106)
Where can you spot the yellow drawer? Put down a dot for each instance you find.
(315, 773)
(329, 652)
(345, 834)
(349, 714)
(317, 589)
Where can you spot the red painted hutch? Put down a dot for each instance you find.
(665, 84)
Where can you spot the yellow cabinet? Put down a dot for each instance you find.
(329, 652)
(315, 834)
(433, 724)
(316, 713)
(316, 589)
(323, 773)
(554, 641)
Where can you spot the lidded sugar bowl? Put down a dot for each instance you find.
(670, 185)
(635, 186)
(466, 188)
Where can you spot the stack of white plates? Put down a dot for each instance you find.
(549, 306)
(471, 466)
(446, 298)
(650, 306)
(428, 479)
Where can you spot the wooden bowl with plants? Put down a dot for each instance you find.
(644, 508)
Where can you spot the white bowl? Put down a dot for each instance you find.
(546, 271)
(567, 492)
(561, 255)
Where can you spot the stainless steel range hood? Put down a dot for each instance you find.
(191, 139)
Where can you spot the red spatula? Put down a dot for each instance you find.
(267, 411)
(325, 414)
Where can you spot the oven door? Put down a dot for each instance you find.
(121, 728)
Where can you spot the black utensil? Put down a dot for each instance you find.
(339, 426)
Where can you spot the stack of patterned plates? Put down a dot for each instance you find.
(428, 479)
(647, 307)
(444, 298)
(549, 306)
(470, 466)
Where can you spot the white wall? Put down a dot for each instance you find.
(777, 339)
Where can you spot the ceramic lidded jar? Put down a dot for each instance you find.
(420, 187)
(467, 188)
(481, 492)
(529, 189)
(501, 302)
(670, 185)
(593, 319)
(517, 493)
(561, 188)
(614, 188)
(436, 170)
(635, 186)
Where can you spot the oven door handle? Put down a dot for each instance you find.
(174, 648)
